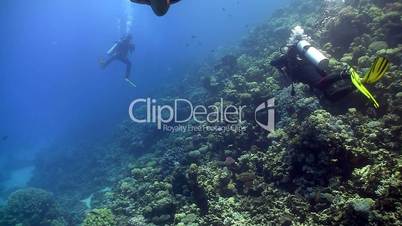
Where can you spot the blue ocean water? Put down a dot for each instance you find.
(52, 90)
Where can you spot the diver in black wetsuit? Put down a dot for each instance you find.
(121, 51)
(304, 63)
(160, 7)
(299, 69)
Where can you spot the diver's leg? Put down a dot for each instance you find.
(160, 7)
(127, 62)
(328, 80)
(338, 93)
(128, 69)
(107, 62)
(333, 77)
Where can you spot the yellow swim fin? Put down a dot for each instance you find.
(356, 80)
(379, 68)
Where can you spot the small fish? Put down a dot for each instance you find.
(223, 9)
(193, 36)
(4, 138)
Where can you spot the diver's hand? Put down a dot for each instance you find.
(102, 63)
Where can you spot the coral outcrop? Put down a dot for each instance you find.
(32, 206)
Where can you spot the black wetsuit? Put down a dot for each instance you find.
(301, 70)
(148, 2)
(121, 53)
(160, 7)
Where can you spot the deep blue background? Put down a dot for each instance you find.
(52, 91)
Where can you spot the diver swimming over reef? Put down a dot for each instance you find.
(160, 7)
(303, 63)
(120, 51)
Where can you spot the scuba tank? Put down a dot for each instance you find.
(312, 54)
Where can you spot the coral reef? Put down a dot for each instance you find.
(100, 217)
(325, 164)
(32, 206)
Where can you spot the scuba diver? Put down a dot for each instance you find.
(120, 51)
(160, 7)
(306, 64)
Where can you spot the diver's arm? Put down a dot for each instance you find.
(112, 50)
(280, 62)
